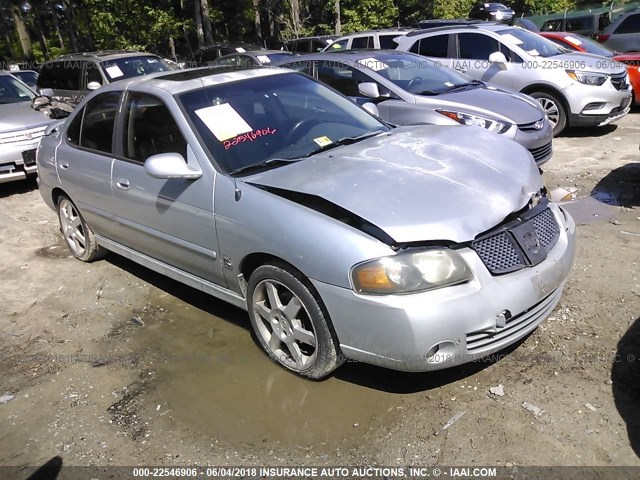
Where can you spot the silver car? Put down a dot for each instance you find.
(21, 128)
(414, 248)
(409, 89)
(575, 89)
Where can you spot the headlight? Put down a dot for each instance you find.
(411, 272)
(588, 78)
(476, 121)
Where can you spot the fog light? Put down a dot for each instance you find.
(593, 106)
(432, 351)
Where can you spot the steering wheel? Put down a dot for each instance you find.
(414, 81)
(300, 128)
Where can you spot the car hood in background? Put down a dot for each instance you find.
(419, 183)
(18, 116)
(491, 101)
(587, 61)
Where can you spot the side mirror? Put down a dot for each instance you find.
(499, 59)
(372, 108)
(369, 89)
(170, 165)
(93, 85)
(46, 92)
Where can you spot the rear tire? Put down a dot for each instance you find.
(78, 235)
(290, 322)
(554, 108)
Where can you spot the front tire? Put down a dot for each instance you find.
(554, 108)
(291, 323)
(78, 235)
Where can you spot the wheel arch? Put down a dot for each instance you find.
(252, 261)
(58, 192)
(544, 88)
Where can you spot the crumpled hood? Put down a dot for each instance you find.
(419, 183)
(17, 116)
(513, 107)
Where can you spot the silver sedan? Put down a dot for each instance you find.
(409, 89)
(414, 248)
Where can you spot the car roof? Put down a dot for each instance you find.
(315, 37)
(345, 55)
(102, 55)
(479, 25)
(179, 81)
(398, 30)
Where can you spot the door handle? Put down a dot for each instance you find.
(123, 184)
(461, 70)
(64, 166)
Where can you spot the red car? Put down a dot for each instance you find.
(580, 43)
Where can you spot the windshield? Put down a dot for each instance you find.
(589, 46)
(129, 67)
(274, 57)
(532, 43)
(30, 78)
(14, 91)
(284, 116)
(414, 73)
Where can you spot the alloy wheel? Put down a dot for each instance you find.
(551, 109)
(72, 227)
(284, 324)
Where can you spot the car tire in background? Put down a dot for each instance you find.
(555, 110)
(78, 235)
(290, 322)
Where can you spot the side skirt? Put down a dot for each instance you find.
(174, 273)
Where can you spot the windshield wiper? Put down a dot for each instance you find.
(428, 92)
(343, 141)
(272, 162)
(464, 85)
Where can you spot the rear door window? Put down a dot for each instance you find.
(98, 122)
(436, 46)
(387, 43)
(362, 42)
(631, 24)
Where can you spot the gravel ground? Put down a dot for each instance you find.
(109, 363)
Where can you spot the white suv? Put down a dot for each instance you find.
(575, 89)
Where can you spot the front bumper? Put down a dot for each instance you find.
(612, 104)
(398, 331)
(12, 165)
(538, 142)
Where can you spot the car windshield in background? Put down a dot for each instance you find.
(415, 74)
(589, 45)
(14, 91)
(268, 119)
(532, 43)
(30, 78)
(275, 57)
(129, 67)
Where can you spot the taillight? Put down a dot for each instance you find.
(602, 37)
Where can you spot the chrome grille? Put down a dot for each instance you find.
(540, 153)
(619, 81)
(501, 253)
(27, 135)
